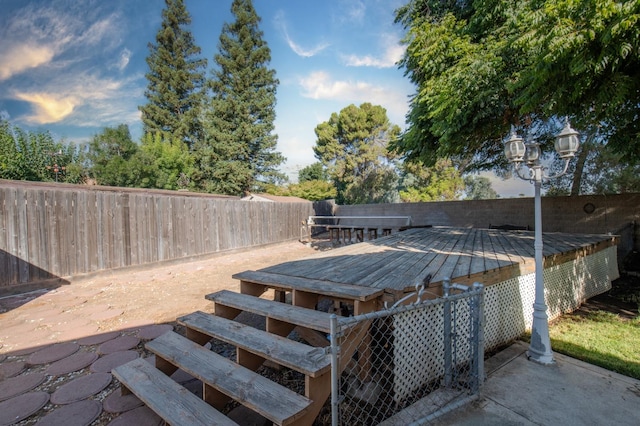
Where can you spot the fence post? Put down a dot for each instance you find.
(477, 318)
(448, 373)
(335, 374)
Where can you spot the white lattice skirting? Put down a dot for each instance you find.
(509, 304)
(418, 335)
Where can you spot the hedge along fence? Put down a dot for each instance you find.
(51, 231)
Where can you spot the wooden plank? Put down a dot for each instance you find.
(72, 229)
(91, 232)
(490, 257)
(453, 255)
(103, 244)
(172, 402)
(308, 318)
(463, 265)
(267, 398)
(435, 266)
(429, 248)
(500, 247)
(294, 355)
(523, 248)
(323, 287)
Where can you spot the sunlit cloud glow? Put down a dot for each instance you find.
(48, 108)
(19, 58)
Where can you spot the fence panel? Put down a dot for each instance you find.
(53, 231)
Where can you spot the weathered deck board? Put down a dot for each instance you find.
(308, 360)
(276, 403)
(287, 282)
(398, 262)
(167, 398)
(315, 320)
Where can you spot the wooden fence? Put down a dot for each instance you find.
(52, 231)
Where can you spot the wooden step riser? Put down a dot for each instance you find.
(172, 402)
(306, 359)
(221, 375)
(295, 315)
(324, 288)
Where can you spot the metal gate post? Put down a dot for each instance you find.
(477, 329)
(335, 374)
(448, 365)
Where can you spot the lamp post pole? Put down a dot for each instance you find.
(518, 152)
(540, 346)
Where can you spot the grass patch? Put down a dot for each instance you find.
(600, 338)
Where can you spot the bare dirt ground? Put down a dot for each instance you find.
(162, 293)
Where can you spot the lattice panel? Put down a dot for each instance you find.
(419, 345)
(509, 304)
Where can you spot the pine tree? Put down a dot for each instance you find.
(176, 78)
(238, 153)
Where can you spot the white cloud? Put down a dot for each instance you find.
(123, 59)
(4, 115)
(280, 23)
(48, 108)
(53, 57)
(36, 36)
(320, 85)
(18, 58)
(392, 52)
(82, 99)
(351, 11)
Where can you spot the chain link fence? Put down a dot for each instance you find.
(408, 363)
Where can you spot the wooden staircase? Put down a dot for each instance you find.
(225, 380)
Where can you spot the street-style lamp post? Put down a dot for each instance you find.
(518, 152)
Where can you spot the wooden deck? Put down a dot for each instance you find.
(396, 263)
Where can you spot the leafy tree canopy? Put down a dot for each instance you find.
(161, 163)
(313, 171)
(353, 147)
(108, 154)
(312, 190)
(483, 66)
(478, 188)
(441, 182)
(35, 156)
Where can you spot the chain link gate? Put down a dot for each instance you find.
(411, 362)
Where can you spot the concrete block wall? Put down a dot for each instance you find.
(588, 214)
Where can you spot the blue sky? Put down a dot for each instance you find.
(73, 67)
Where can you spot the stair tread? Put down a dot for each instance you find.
(309, 318)
(175, 404)
(295, 355)
(323, 287)
(267, 398)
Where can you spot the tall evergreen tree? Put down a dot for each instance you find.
(239, 153)
(176, 78)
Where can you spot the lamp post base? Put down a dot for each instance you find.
(540, 346)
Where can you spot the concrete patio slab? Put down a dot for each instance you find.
(570, 392)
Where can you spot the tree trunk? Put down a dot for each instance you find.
(580, 162)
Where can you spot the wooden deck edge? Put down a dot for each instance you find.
(587, 250)
(340, 290)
